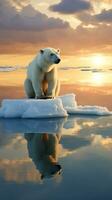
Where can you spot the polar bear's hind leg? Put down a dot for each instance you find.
(29, 89)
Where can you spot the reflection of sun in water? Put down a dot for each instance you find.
(98, 60)
(97, 79)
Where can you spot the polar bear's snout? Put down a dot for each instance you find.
(55, 58)
(58, 60)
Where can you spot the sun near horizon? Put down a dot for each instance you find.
(80, 29)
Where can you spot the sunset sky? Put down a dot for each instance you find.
(82, 29)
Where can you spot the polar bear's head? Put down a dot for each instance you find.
(50, 56)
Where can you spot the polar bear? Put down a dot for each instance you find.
(43, 150)
(42, 79)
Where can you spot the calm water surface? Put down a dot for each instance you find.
(56, 159)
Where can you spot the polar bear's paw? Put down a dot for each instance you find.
(44, 97)
(40, 97)
(49, 97)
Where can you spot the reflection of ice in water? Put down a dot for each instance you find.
(69, 126)
(53, 125)
(76, 134)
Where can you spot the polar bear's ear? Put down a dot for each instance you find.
(41, 51)
(58, 50)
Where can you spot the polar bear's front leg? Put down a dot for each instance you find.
(37, 86)
(51, 89)
(52, 84)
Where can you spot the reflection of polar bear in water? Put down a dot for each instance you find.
(42, 80)
(43, 150)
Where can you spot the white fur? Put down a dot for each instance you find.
(42, 80)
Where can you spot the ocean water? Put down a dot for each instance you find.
(84, 75)
(64, 158)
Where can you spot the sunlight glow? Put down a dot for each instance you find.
(98, 60)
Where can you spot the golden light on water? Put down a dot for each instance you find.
(99, 72)
(97, 79)
(95, 60)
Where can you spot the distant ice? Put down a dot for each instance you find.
(92, 69)
(10, 68)
(76, 68)
(58, 107)
(79, 68)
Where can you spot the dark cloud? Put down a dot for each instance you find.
(6, 10)
(71, 6)
(30, 30)
(104, 17)
(27, 19)
(71, 42)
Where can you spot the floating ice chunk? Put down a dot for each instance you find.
(32, 108)
(69, 101)
(44, 109)
(90, 110)
(70, 104)
(58, 107)
(13, 108)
